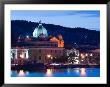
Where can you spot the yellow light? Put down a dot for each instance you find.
(22, 55)
(86, 54)
(49, 72)
(91, 54)
(51, 57)
(48, 55)
(83, 72)
(21, 73)
(82, 56)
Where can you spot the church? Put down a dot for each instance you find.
(39, 47)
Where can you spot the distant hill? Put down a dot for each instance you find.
(72, 36)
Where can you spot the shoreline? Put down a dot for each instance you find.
(44, 67)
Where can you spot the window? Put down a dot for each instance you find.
(25, 54)
(13, 55)
(55, 51)
(51, 51)
(39, 57)
(39, 51)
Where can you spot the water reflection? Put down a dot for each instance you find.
(69, 72)
(22, 73)
(49, 72)
(83, 72)
(77, 70)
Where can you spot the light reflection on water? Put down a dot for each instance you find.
(69, 72)
(49, 72)
(22, 73)
(83, 71)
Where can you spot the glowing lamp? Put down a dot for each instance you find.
(21, 73)
(86, 54)
(48, 55)
(27, 36)
(91, 54)
(82, 56)
(22, 55)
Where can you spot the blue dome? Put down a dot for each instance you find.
(40, 30)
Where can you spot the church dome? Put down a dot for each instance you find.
(40, 31)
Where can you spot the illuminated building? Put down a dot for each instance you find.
(73, 56)
(59, 40)
(39, 47)
(90, 57)
(40, 30)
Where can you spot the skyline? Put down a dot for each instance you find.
(66, 18)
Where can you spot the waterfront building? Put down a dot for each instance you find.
(90, 57)
(40, 47)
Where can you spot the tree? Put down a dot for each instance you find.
(72, 55)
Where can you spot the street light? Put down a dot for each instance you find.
(82, 56)
(81, 60)
(51, 57)
(48, 55)
(27, 36)
(91, 54)
(22, 55)
(86, 54)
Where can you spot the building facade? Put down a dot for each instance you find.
(41, 49)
